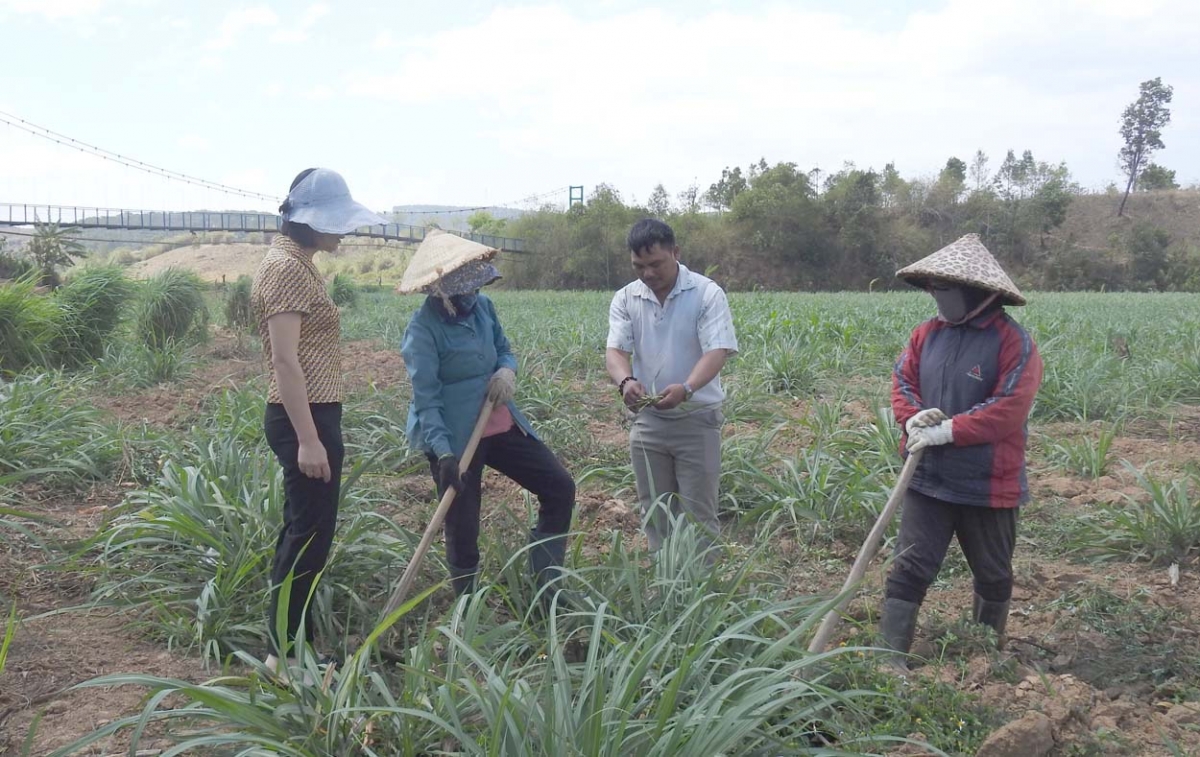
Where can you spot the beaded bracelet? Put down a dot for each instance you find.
(621, 386)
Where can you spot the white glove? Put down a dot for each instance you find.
(924, 419)
(932, 436)
(502, 386)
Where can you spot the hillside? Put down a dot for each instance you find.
(1092, 219)
(211, 262)
(367, 264)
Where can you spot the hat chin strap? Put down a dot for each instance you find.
(987, 303)
(446, 303)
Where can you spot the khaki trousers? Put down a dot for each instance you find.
(677, 464)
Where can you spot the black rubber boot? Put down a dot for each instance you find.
(898, 626)
(546, 555)
(994, 614)
(463, 579)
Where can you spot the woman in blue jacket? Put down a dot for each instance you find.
(457, 356)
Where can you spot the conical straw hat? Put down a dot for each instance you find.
(439, 254)
(964, 261)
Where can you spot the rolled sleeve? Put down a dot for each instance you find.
(715, 324)
(620, 323)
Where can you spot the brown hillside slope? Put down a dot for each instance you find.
(210, 262)
(1092, 219)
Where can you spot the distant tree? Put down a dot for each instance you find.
(979, 170)
(1155, 177)
(758, 169)
(853, 204)
(689, 199)
(779, 218)
(951, 182)
(955, 171)
(483, 222)
(892, 186)
(53, 246)
(659, 203)
(1141, 128)
(1033, 199)
(1147, 245)
(720, 196)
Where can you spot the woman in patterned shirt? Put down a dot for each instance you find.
(300, 329)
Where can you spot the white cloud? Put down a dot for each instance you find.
(687, 94)
(238, 22)
(383, 41)
(319, 92)
(300, 32)
(192, 142)
(53, 9)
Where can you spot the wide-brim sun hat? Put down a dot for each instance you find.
(441, 254)
(322, 202)
(964, 261)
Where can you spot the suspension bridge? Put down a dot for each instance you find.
(17, 214)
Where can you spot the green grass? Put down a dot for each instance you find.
(44, 426)
(1084, 455)
(94, 301)
(171, 309)
(665, 656)
(30, 323)
(1161, 527)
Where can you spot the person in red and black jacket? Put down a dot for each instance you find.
(962, 390)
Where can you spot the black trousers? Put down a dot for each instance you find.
(526, 461)
(309, 511)
(987, 536)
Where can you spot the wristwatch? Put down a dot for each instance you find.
(687, 392)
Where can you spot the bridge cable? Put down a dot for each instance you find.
(62, 139)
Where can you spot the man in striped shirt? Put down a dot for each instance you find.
(676, 326)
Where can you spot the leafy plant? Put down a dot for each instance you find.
(1162, 529)
(343, 291)
(12, 265)
(30, 323)
(676, 660)
(43, 427)
(52, 247)
(1085, 456)
(93, 302)
(191, 555)
(239, 313)
(171, 309)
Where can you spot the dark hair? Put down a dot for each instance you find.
(648, 232)
(300, 233)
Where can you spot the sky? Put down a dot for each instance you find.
(475, 103)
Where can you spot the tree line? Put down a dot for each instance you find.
(778, 226)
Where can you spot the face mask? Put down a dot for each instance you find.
(464, 303)
(958, 303)
(952, 304)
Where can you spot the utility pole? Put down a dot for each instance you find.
(576, 196)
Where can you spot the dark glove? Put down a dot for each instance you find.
(448, 474)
